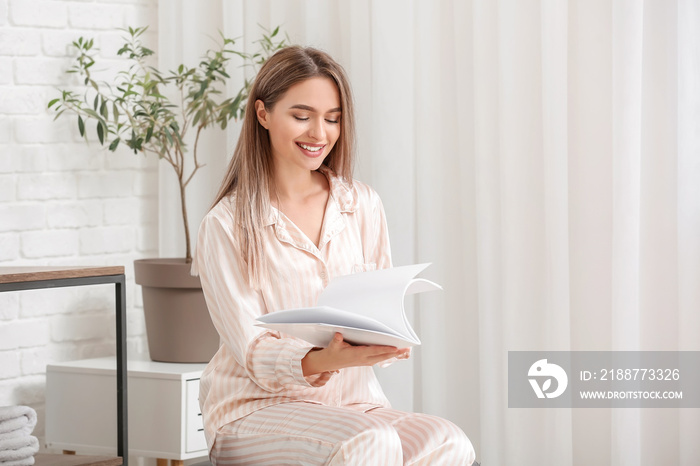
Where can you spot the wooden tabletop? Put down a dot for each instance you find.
(45, 459)
(32, 274)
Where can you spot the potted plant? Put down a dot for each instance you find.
(139, 112)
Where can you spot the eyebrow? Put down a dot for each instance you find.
(311, 109)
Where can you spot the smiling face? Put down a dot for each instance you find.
(304, 124)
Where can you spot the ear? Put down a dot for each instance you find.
(262, 114)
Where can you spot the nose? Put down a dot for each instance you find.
(317, 129)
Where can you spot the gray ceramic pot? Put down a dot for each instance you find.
(178, 324)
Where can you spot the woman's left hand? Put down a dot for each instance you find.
(340, 354)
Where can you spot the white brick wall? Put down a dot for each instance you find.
(63, 201)
(39, 13)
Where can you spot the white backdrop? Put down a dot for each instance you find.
(545, 156)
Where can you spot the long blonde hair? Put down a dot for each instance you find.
(250, 173)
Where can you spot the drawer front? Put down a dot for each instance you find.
(194, 434)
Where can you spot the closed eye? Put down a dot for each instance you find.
(328, 120)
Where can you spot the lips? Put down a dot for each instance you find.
(311, 150)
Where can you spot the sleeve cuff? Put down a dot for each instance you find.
(319, 380)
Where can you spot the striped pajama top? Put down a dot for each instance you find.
(255, 367)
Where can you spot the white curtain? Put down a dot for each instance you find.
(544, 155)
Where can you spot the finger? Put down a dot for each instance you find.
(386, 347)
(366, 355)
(381, 353)
(337, 339)
(379, 349)
(380, 359)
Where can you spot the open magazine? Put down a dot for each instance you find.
(366, 307)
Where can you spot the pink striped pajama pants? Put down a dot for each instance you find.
(310, 434)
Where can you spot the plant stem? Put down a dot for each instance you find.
(183, 205)
(196, 163)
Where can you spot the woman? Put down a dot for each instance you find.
(287, 219)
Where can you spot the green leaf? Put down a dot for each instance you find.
(237, 101)
(81, 126)
(93, 113)
(149, 133)
(168, 136)
(100, 134)
(53, 102)
(114, 145)
(197, 117)
(103, 110)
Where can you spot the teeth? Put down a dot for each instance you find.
(310, 148)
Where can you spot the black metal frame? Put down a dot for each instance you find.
(120, 297)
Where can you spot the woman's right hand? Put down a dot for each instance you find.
(340, 354)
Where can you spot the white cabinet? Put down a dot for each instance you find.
(164, 417)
